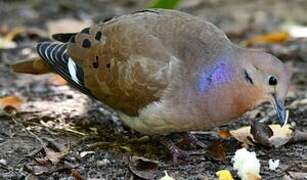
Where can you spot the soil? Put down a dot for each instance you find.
(99, 145)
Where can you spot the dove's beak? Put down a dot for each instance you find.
(280, 109)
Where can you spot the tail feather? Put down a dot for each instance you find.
(55, 54)
(31, 66)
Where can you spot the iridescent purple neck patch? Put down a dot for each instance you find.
(219, 75)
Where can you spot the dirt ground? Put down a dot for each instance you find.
(95, 143)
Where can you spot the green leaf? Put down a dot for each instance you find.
(164, 4)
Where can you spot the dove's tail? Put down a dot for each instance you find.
(31, 66)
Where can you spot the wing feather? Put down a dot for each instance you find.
(55, 54)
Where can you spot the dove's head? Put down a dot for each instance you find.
(268, 74)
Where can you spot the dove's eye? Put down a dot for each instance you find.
(273, 81)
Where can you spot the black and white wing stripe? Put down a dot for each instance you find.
(55, 54)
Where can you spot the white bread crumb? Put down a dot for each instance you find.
(247, 164)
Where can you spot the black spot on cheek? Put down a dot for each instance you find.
(96, 63)
(248, 78)
(86, 43)
(98, 36)
(108, 65)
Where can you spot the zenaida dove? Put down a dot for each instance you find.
(165, 71)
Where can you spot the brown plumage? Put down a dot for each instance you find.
(166, 71)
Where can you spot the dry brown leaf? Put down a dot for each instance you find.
(299, 136)
(13, 33)
(242, 135)
(38, 170)
(216, 151)
(56, 157)
(13, 101)
(274, 37)
(143, 167)
(225, 134)
(4, 44)
(261, 133)
(76, 174)
(281, 135)
(42, 161)
(286, 177)
(58, 80)
(7, 41)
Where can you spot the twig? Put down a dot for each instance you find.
(14, 119)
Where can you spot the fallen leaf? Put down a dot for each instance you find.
(76, 174)
(298, 175)
(261, 133)
(58, 80)
(13, 33)
(13, 101)
(225, 134)
(48, 168)
(224, 175)
(51, 159)
(7, 41)
(274, 37)
(11, 36)
(5, 44)
(143, 167)
(38, 170)
(56, 157)
(9, 110)
(242, 135)
(216, 151)
(286, 177)
(281, 135)
(298, 136)
(42, 161)
(53, 156)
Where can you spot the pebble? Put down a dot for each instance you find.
(3, 162)
(103, 162)
(84, 153)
